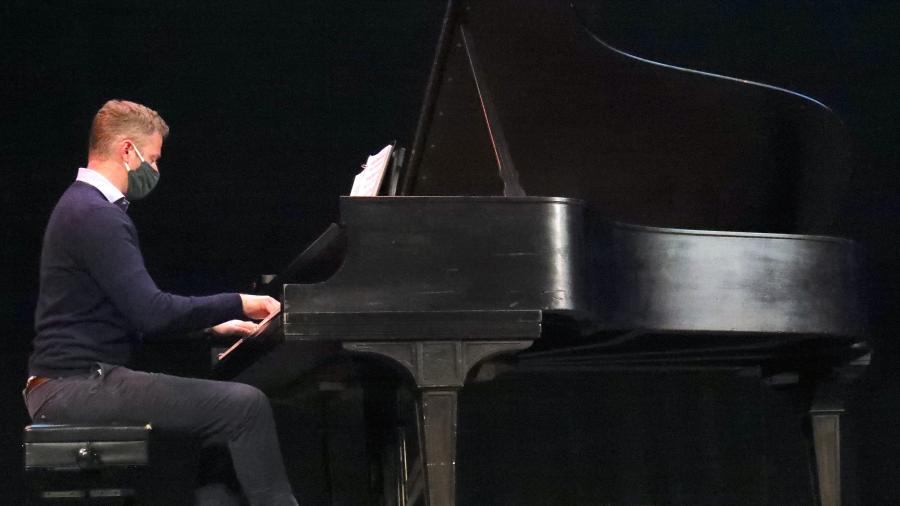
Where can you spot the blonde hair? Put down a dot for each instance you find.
(123, 118)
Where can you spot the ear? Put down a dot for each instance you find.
(123, 147)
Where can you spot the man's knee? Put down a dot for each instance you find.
(248, 402)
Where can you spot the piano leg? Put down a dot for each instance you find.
(828, 406)
(438, 429)
(439, 369)
(826, 427)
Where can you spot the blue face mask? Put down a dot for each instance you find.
(141, 180)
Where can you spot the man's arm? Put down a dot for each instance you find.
(109, 250)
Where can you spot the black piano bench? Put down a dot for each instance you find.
(72, 464)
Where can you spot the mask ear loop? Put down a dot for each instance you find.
(136, 150)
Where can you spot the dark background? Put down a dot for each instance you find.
(274, 105)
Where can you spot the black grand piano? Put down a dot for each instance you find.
(566, 205)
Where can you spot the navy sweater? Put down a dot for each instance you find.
(96, 299)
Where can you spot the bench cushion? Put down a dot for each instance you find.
(61, 447)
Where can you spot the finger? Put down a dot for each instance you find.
(236, 327)
(247, 326)
(243, 331)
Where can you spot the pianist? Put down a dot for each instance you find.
(97, 303)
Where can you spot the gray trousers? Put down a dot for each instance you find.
(215, 412)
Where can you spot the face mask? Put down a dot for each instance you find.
(141, 180)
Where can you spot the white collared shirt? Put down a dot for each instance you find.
(99, 182)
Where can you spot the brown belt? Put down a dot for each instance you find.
(34, 382)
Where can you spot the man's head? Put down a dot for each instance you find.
(119, 127)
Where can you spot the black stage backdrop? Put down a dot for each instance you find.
(273, 105)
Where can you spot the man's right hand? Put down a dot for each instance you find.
(259, 307)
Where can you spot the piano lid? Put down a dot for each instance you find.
(525, 98)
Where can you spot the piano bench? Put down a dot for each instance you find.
(90, 464)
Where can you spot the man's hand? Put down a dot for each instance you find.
(237, 328)
(259, 307)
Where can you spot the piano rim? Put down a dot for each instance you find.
(449, 199)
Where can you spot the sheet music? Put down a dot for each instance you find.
(367, 182)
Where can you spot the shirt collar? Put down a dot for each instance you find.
(99, 182)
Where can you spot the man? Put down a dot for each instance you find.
(97, 303)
